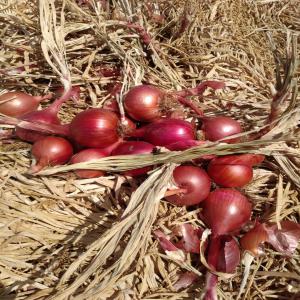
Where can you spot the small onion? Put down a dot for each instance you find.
(217, 128)
(48, 116)
(88, 155)
(230, 175)
(147, 102)
(50, 151)
(95, 128)
(225, 211)
(16, 104)
(253, 240)
(166, 132)
(195, 181)
(233, 170)
(142, 102)
(134, 147)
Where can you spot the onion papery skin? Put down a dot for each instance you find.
(16, 104)
(230, 175)
(88, 155)
(225, 211)
(166, 132)
(134, 147)
(95, 128)
(50, 151)
(223, 254)
(284, 240)
(253, 240)
(217, 128)
(190, 241)
(195, 180)
(142, 102)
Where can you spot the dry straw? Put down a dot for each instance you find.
(68, 238)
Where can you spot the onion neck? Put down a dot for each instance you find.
(56, 105)
(191, 105)
(62, 130)
(199, 89)
(109, 149)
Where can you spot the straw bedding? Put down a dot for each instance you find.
(68, 238)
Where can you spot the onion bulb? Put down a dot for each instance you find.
(233, 170)
(95, 128)
(88, 155)
(16, 104)
(50, 151)
(166, 131)
(134, 147)
(147, 102)
(254, 239)
(217, 128)
(195, 181)
(225, 211)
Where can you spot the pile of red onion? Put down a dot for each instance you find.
(147, 126)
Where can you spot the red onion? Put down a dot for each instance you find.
(240, 159)
(195, 181)
(252, 241)
(184, 145)
(142, 102)
(147, 102)
(226, 211)
(166, 132)
(45, 116)
(217, 128)
(88, 155)
(74, 93)
(16, 104)
(95, 128)
(50, 151)
(233, 170)
(135, 147)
